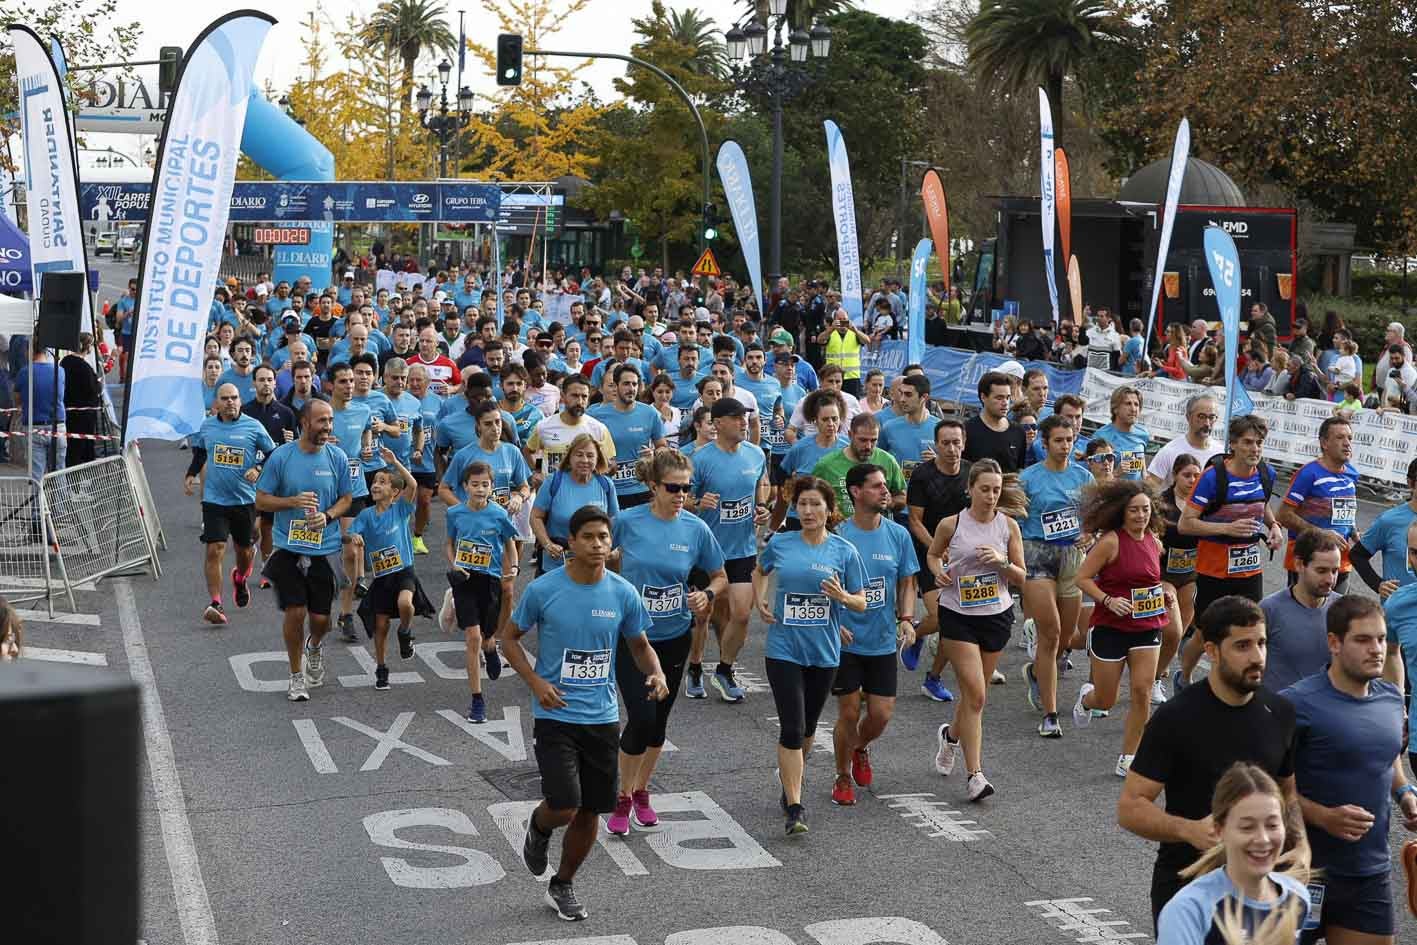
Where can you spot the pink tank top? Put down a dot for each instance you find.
(977, 588)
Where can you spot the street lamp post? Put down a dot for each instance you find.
(444, 124)
(776, 74)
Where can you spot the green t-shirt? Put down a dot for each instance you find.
(834, 466)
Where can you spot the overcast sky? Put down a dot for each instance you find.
(602, 27)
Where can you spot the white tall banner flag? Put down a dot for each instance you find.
(1047, 189)
(196, 168)
(50, 176)
(844, 212)
(1180, 154)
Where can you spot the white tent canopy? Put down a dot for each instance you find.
(16, 316)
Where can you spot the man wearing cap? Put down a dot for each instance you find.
(345, 294)
(289, 334)
(782, 342)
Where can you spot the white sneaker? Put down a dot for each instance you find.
(945, 757)
(979, 786)
(314, 667)
(998, 679)
(297, 691)
(1124, 764)
(1158, 692)
(1030, 637)
(1082, 717)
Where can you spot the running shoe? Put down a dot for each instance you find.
(1028, 638)
(1065, 663)
(239, 590)
(694, 682)
(1049, 727)
(493, 660)
(214, 613)
(419, 548)
(1178, 682)
(477, 710)
(979, 787)
(297, 691)
(619, 821)
(727, 686)
(1124, 764)
(998, 679)
(945, 757)
(861, 767)
(843, 794)
(910, 655)
(1035, 699)
(562, 898)
(644, 813)
(346, 628)
(1158, 692)
(1099, 713)
(406, 644)
(265, 584)
(796, 820)
(314, 667)
(381, 678)
(935, 689)
(1082, 716)
(534, 847)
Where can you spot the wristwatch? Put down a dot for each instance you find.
(708, 592)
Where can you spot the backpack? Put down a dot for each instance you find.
(559, 476)
(1222, 483)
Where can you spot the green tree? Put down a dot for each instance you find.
(691, 30)
(410, 28)
(1017, 44)
(799, 12)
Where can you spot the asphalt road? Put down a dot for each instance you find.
(366, 816)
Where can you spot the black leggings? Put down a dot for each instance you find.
(647, 720)
(799, 692)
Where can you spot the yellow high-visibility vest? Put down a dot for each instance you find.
(845, 352)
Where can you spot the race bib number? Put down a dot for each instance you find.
(667, 601)
(300, 533)
(1133, 464)
(805, 610)
(1244, 559)
(907, 469)
(231, 457)
(473, 554)
(978, 590)
(1180, 560)
(1061, 524)
(385, 561)
(1316, 905)
(773, 436)
(1344, 511)
(625, 473)
(735, 510)
(403, 426)
(1148, 602)
(585, 667)
(355, 470)
(876, 593)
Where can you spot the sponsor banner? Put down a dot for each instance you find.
(954, 372)
(196, 168)
(844, 212)
(1063, 186)
(1223, 260)
(291, 261)
(738, 189)
(1047, 167)
(1180, 154)
(915, 337)
(937, 215)
(330, 201)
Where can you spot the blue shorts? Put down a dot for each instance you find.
(1360, 903)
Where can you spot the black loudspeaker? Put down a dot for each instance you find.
(61, 310)
(69, 804)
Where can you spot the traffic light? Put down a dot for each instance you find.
(710, 222)
(509, 59)
(170, 61)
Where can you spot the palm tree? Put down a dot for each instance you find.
(1017, 44)
(408, 28)
(799, 12)
(710, 56)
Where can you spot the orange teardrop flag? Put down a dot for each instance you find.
(932, 191)
(1075, 288)
(1064, 188)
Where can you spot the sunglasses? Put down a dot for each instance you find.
(674, 488)
(1102, 458)
(1030, 427)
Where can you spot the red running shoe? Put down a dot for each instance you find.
(861, 767)
(843, 794)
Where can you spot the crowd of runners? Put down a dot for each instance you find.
(670, 475)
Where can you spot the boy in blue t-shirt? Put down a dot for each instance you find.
(381, 535)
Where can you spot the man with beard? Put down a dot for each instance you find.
(1202, 410)
(553, 435)
(240, 374)
(1193, 738)
(514, 402)
(1323, 497)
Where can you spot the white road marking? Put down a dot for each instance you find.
(42, 616)
(314, 746)
(1087, 923)
(194, 909)
(390, 741)
(935, 817)
(65, 656)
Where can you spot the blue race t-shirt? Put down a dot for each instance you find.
(802, 457)
(233, 447)
(410, 420)
(907, 441)
(1388, 536)
(1400, 608)
(775, 430)
(632, 430)
(125, 304)
(562, 497)
(888, 555)
(1191, 917)
(349, 426)
(388, 542)
(428, 412)
(479, 537)
(289, 471)
(1130, 447)
(656, 557)
(509, 468)
(579, 627)
(767, 391)
(456, 427)
(734, 476)
(807, 628)
(382, 409)
(246, 384)
(1053, 503)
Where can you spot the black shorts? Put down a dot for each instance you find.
(268, 519)
(314, 590)
(579, 764)
(740, 570)
(384, 592)
(989, 632)
(698, 579)
(1111, 645)
(478, 602)
(631, 501)
(1360, 903)
(875, 674)
(426, 480)
(777, 476)
(1211, 589)
(220, 522)
(924, 578)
